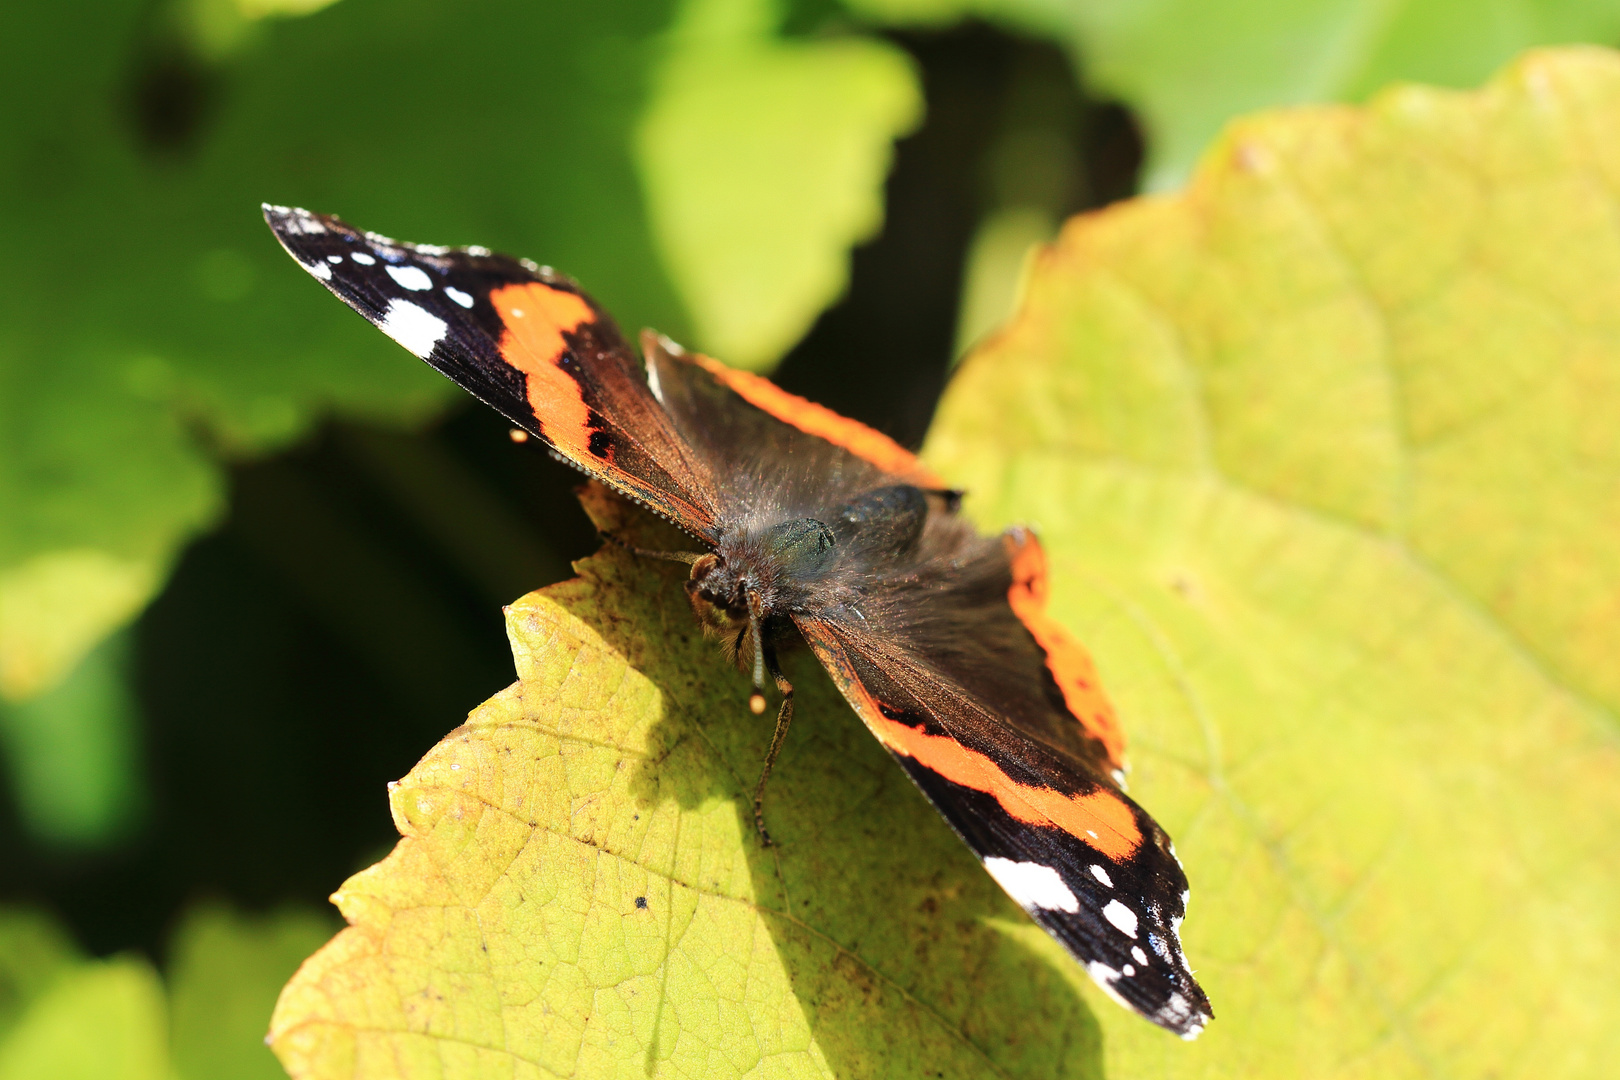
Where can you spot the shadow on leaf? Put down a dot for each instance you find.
(888, 931)
(579, 889)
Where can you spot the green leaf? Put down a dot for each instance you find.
(763, 162)
(225, 970)
(149, 322)
(995, 269)
(1324, 454)
(73, 754)
(100, 1021)
(579, 890)
(1189, 66)
(34, 951)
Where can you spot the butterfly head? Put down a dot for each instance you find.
(752, 576)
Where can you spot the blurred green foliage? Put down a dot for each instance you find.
(148, 331)
(763, 162)
(69, 1017)
(225, 970)
(1188, 66)
(74, 755)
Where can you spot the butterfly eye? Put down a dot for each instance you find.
(803, 545)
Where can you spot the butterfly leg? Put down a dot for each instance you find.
(784, 717)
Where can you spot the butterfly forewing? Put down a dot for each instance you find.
(524, 340)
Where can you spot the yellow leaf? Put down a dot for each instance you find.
(579, 891)
(1326, 453)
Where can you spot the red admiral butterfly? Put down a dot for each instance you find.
(811, 522)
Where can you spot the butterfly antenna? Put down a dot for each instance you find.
(687, 557)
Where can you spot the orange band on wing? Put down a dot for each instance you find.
(1100, 819)
(536, 317)
(812, 419)
(1070, 664)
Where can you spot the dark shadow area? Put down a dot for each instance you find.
(344, 617)
(171, 91)
(882, 352)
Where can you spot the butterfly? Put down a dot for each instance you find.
(816, 526)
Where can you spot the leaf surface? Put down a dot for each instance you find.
(579, 891)
(1324, 454)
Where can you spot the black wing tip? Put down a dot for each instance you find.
(294, 226)
(290, 223)
(1181, 1008)
(1183, 1012)
(1184, 1017)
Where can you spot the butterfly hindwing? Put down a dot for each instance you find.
(1080, 857)
(741, 403)
(524, 340)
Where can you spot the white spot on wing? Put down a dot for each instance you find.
(1032, 885)
(320, 270)
(409, 277)
(1141, 957)
(1105, 977)
(362, 258)
(1121, 916)
(334, 259)
(1102, 875)
(464, 299)
(1127, 969)
(297, 221)
(413, 327)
